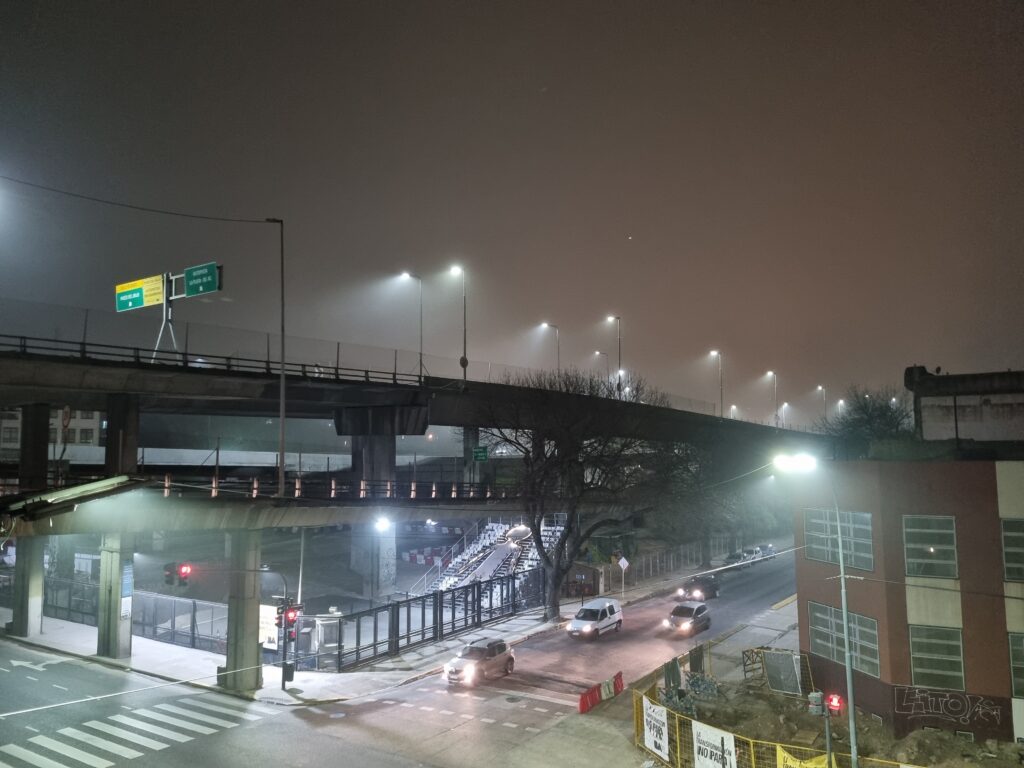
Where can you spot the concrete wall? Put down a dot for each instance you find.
(977, 417)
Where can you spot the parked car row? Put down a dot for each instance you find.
(748, 556)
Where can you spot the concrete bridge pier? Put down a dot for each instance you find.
(35, 440)
(374, 557)
(470, 441)
(373, 458)
(243, 671)
(122, 451)
(27, 618)
(117, 585)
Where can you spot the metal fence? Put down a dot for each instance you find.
(649, 566)
(71, 600)
(336, 643)
(180, 621)
(676, 740)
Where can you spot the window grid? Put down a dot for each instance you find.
(826, 636)
(936, 657)
(929, 546)
(820, 537)
(85, 436)
(1013, 550)
(1017, 663)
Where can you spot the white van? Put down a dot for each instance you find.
(595, 617)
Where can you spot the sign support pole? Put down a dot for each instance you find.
(168, 319)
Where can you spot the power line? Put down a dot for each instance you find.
(132, 206)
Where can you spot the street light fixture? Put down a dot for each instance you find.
(607, 365)
(839, 406)
(418, 279)
(732, 411)
(824, 401)
(775, 382)
(784, 407)
(721, 389)
(803, 463)
(558, 345)
(618, 333)
(464, 360)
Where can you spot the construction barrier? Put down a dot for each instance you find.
(682, 742)
(594, 695)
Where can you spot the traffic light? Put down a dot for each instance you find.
(814, 703)
(834, 702)
(279, 619)
(184, 571)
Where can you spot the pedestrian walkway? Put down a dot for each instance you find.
(606, 730)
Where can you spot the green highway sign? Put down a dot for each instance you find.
(480, 454)
(139, 293)
(201, 279)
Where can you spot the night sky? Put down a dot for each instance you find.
(831, 190)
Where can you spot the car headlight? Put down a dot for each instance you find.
(686, 625)
(587, 627)
(680, 592)
(447, 669)
(666, 623)
(698, 594)
(469, 670)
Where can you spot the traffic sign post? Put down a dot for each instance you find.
(204, 278)
(480, 453)
(139, 293)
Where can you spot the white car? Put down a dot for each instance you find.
(480, 660)
(596, 617)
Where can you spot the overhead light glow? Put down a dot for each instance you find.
(795, 463)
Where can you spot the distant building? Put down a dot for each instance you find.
(971, 406)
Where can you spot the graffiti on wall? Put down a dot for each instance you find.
(953, 706)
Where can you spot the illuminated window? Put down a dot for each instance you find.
(929, 546)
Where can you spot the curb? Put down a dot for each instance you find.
(784, 603)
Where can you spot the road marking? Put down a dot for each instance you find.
(34, 679)
(31, 757)
(121, 733)
(447, 712)
(389, 701)
(30, 728)
(531, 729)
(150, 728)
(463, 695)
(238, 705)
(406, 704)
(486, 720)
(510, 725)
(59, 686)
(125, 706)
(210, 719)
(427, 709)
(175, 721)
(539, 709)
(223, 710)
(73, 752)
(4, 669)
(467, 717)
(96, 741)
(479, 698)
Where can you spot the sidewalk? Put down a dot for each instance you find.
(606, 730)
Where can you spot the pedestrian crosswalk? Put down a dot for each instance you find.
(103, 743)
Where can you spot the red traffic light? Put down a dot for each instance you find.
(834, 702)
(290, 615)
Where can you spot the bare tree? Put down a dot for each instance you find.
(869, 415)
(582, 460)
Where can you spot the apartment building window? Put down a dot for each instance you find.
(936, 657)
(85, 414)
(826, 634)
(9, 435)
(85, 436)
(1013, 550)
(70, 439)
(1017, 664)
(821, 536)
(929, 546)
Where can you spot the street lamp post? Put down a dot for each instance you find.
(824, 401)
(558, 346)
(784, 407)
(721, 388)
(464, 360)
(775, 382)
(732, 411)
(803, 463)
(839, 406)
(418, 279)
(618, 333)
(281, 379)
(607, 365)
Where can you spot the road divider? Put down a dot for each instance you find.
(603, 691)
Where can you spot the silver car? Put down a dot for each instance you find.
(479, 660)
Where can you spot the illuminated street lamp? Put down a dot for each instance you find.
(618, 333)
(721, 389)
(418, 279)
(839, 406)
(464, 360)
(824, 401)
(732, 411)
(803, 463)
(558, 346)
(784, 407)
(775, 382)
(607, 365)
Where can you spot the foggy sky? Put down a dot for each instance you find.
(831, 190)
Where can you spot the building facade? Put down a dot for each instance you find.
(934, 556)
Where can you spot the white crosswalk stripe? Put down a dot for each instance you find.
(73, 752)
(150, 728)
(222, 710)
(96, 741)
(202, 718)
(177, 722)
(121, 733)
(30, 757)
(245, 706)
